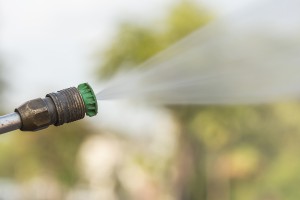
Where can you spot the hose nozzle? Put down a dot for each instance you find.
(56, 108)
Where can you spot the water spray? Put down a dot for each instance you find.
(247, 57)
(65, 106)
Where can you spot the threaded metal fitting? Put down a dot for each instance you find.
(69, 105)
(56, 108)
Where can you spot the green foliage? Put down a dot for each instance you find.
(135, 44)
(52, 151)
(132, 46)
(184, 19)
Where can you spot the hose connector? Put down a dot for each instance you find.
(58, 108)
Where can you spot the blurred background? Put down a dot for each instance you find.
(132, 151)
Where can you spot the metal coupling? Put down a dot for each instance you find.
(56, 108)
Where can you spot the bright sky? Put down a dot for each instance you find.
(47, 45)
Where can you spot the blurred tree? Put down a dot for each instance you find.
(135, 44)
(235, 152)
(50, 152)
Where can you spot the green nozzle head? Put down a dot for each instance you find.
(89, 99)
